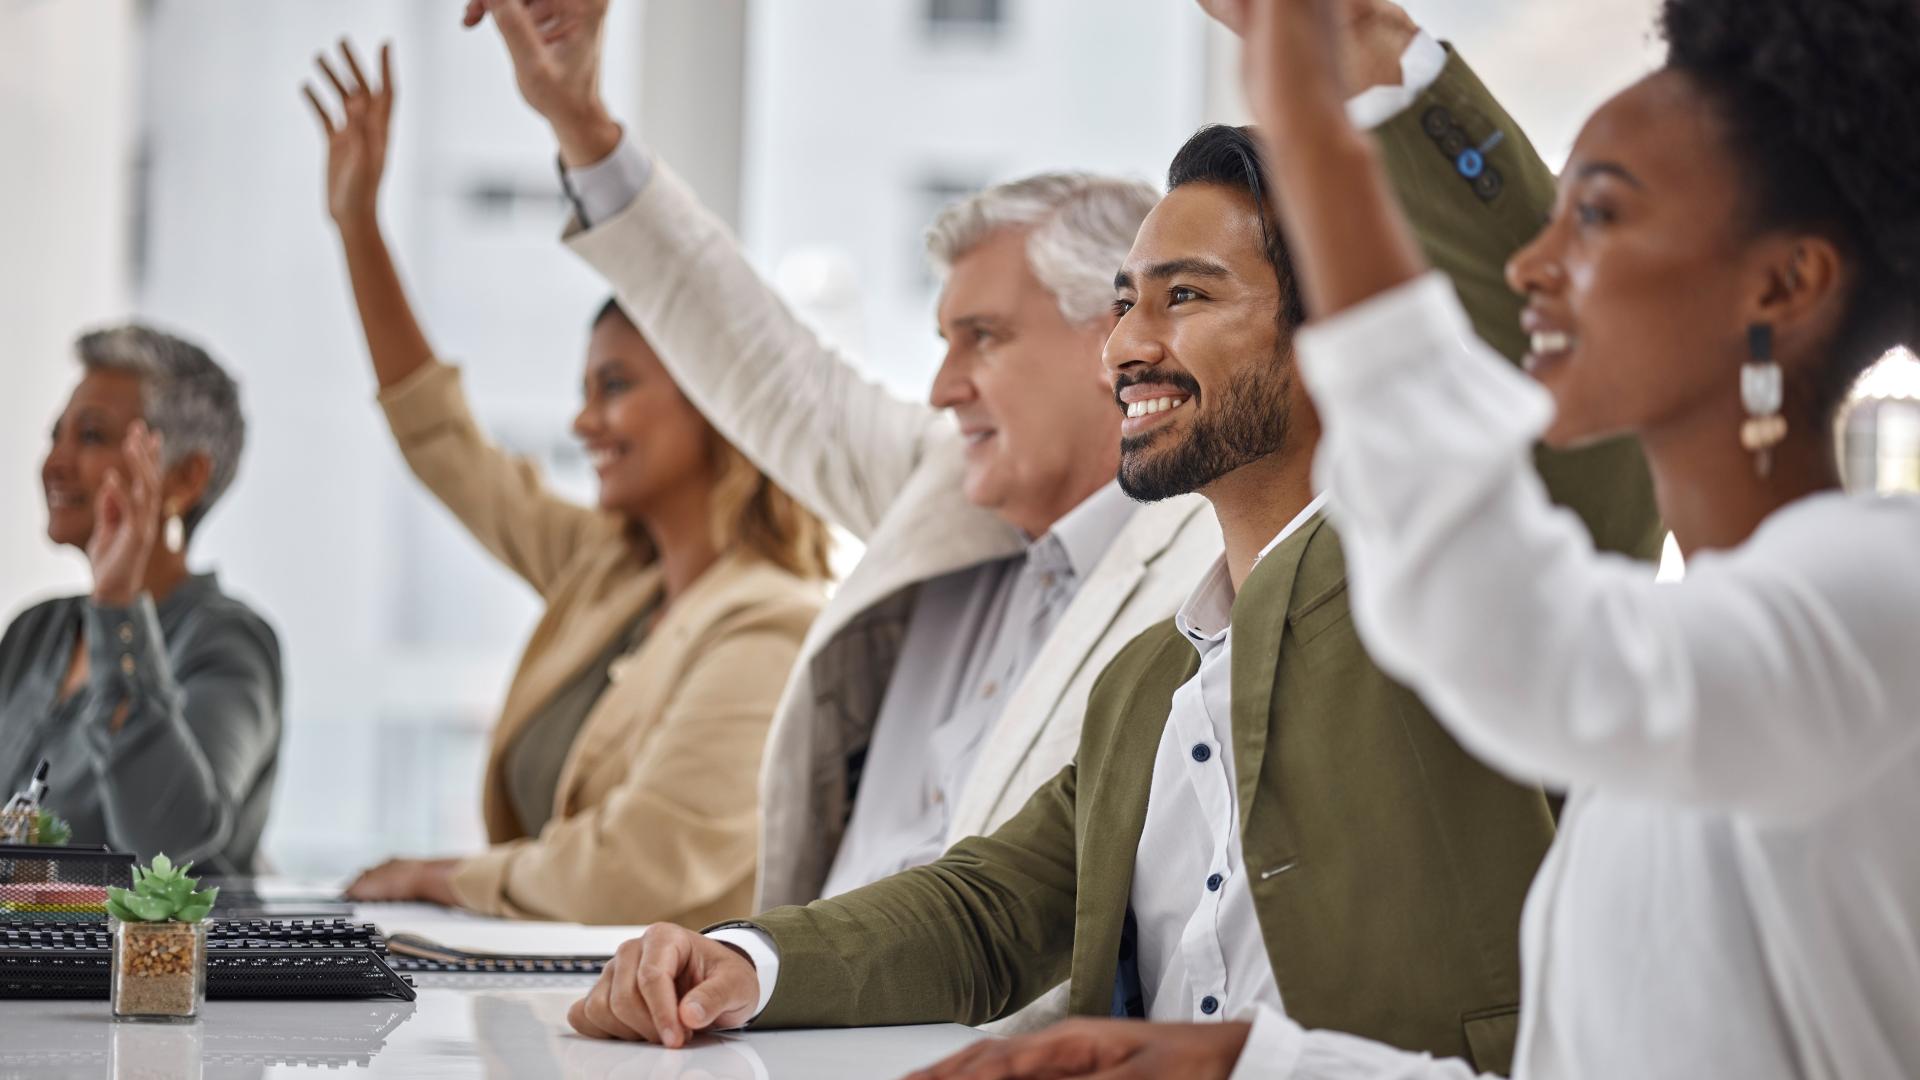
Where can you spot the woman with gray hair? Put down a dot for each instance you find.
(156, 697)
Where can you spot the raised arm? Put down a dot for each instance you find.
(841, 444)
(1767, 684)
(500, 499)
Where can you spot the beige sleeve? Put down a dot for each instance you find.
(498, 497)
(681, 831)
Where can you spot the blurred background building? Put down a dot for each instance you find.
(161, 165)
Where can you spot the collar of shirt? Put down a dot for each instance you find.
(1207, 614)
(1079, 539)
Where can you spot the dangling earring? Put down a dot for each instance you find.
(174, 535)
(1762, 391)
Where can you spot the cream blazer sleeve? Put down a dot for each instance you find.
(679, 831)
(498, 497)
(840, 444)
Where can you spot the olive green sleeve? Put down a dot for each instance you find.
(1477, 192)
(973, 936)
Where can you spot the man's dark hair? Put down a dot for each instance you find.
(1229, 157)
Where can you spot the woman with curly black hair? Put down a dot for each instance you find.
(1735, 889)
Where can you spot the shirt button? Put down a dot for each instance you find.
(1209, 1004)
(126, 633)
(1213, 883)
(990, 689)
(126, 664)
(1201, 752)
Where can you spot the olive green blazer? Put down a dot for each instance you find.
(1388, 866)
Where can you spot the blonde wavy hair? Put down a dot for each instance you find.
(751, 511)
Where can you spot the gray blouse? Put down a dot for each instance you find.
(190, 769)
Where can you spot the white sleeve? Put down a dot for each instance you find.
(1279, 1049)
(1420, 68)
(608, 186)
(761, 952)
(1776, 679)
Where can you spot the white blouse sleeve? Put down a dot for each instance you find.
(1279, 1049)
(1775, 679)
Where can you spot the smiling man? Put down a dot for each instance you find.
(1255, 813)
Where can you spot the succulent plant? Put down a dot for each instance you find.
(50, 828)
(161, 892)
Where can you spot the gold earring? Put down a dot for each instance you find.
(174, 535)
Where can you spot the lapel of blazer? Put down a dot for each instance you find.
(1259, 624)
(931, 530)
(589, 611)
(1114, 783)
(1034, 705)
(640, 682)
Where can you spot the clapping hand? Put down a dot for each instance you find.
(126, 520)
(357, 140)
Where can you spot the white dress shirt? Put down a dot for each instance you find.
(1735, 888)
(1201, 952)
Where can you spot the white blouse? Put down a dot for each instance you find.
(1735, 889)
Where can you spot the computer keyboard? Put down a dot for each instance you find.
(246, 958)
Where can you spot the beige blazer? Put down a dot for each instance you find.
(888, 470)
(656, 815)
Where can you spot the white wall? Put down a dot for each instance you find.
(64, 207)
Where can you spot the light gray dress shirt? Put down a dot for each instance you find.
(972, 635)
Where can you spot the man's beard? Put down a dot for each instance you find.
(1247, 422)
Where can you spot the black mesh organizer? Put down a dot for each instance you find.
(59, 884)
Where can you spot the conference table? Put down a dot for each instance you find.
(502, 1027)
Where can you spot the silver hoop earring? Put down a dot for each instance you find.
(1762, 391)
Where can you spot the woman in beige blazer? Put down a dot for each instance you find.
(621, 786)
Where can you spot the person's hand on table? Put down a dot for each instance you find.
(667, 984)
(430, 880)
(1106, 1049)
(556, 46)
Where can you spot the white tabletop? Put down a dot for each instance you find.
(501, 1028)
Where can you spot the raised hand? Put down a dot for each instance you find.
(357, 140)
(666, 985)
(556, 47)
(126, 520)
(1109, 1049)
(1363, 39)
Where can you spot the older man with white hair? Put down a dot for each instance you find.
(1004, 568)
